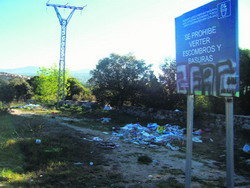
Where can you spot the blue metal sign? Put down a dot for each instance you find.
(207, 54)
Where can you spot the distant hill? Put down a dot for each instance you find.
(27, 71)
(82, 75)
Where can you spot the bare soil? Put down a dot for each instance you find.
(167, 166)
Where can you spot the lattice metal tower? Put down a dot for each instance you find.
(63, 22)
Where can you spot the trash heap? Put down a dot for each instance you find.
(151, 135)
(31, 106)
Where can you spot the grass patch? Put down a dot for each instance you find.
(179, 156)
(167, 170)
(170, 183)
(210, 183)
(11, 157)
(51, 163)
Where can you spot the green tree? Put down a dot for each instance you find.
(76, 91)
(32, 82)
(7, 92)
(22, 89)
(46, 85)
(243, 102)
(171, 100)
(244, 70)
(119, 79)
(153, 94)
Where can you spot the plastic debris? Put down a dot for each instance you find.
(97, 139)
(197, 139)
(246, 148)
(107, 108)
(151, 135)
(108, 145)
(247, 161)
(198, 132)
(174, 148)
(91, 163)
(156, 162)
(152, 126)
(38, 141)
(161, 129)
(78, 163)
(28, 106)
(105, 120)
(176, 110)
(150, 176)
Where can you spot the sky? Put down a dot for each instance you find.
(30, 31)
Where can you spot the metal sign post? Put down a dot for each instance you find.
(230, 141)
(207, 63)
(189, 144)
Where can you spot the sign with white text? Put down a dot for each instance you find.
(207, 54)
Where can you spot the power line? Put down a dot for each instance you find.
(63, 22)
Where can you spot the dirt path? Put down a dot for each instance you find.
(167, 164)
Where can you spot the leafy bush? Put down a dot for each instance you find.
(7, 92)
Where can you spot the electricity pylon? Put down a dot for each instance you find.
(63, 22)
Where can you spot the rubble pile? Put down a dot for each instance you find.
(150, 135)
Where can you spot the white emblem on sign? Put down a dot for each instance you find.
(224, 9)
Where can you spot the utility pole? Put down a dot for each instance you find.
(63, 22)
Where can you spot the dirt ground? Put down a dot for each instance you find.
(167, 165)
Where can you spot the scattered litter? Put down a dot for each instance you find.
(150, 176)
(161, 129)
(108, 145)
(156, 162)
(97, 139)
(38, 141)
(197, 139)
(28, 106)
(91, 163)
(78, 163)
(105, 120)
(107, 108)
(105, 132)
(176, 110)
(198, 132)
(87, 139)
(246, 148)
(247, 161)
(152, 126)
(211, 139)
(116, 129)
(207, 130)
(173, 147)
(151, 135)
